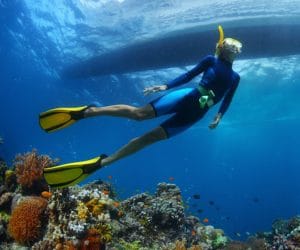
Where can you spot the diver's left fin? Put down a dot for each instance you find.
(58, 118)
(71, 173)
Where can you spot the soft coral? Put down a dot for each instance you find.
(29, 171)
(25, 224)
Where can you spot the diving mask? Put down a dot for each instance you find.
(232, 45)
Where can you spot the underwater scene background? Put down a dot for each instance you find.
(240, 177)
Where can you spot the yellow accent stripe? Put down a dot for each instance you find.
(62, 110)
(72, 165)
(68, 174)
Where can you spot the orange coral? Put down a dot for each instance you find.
(29, 169)
(92, 241)
(25, 224)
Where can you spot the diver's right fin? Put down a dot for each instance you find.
(58, 118)
(71, 173)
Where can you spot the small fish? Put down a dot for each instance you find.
(200, 211)
(46, 194)
(196, 196)
(205, 220)
(237, 234)
(106, 192)
(193, 232)
(211, 203)
(109, 177)
(247, 233)
(255, 200)
(171, 178)
(116, 204)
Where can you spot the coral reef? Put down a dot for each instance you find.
(25, 224)
(79, 218)
(29, 171)
(160, 220)
(90, 217)
(285, 234)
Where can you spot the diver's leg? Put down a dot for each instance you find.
(122, 110)
(166, 104)
(135, 145)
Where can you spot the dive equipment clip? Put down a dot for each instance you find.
(206, 98)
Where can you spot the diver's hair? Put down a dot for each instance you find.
(230, 45)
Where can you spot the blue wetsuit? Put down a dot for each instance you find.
(218, 76)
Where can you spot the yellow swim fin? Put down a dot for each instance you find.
(71, 173)
(58, 118)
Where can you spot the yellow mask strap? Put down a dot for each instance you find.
(221, 36)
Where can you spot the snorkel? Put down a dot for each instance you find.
(220, 42)
(227, 48)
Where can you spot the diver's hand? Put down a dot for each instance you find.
(216, 121)
(154, 89)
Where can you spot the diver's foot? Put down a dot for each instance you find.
(105, 160)
(89, 111)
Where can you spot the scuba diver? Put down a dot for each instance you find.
(188, 105)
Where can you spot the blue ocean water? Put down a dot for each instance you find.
(246, 171)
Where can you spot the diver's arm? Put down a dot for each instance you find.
(225, 104)
(186, 77)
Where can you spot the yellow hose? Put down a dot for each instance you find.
(221, 35)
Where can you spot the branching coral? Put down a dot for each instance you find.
(29, 170)
(25, 224)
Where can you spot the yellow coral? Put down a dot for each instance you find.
(82, 211)
(95, 206)
(9, 173)
(105, 232)
(180, 245)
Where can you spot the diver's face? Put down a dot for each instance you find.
(227, 54)
(232, 46)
